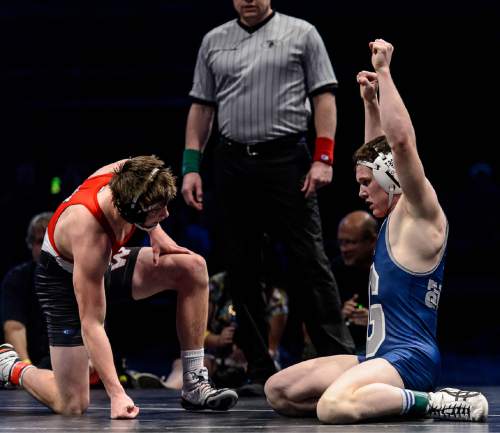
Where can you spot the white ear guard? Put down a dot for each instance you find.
(384, 174)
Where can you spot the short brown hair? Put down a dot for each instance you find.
(370, 150)
(144, 179)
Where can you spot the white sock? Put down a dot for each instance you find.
(192, 359)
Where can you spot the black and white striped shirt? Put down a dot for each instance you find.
(260, 80)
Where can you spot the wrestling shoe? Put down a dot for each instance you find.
(457, 405)
(8, 357)
(199, 393)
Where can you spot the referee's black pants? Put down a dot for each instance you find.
(259, 194)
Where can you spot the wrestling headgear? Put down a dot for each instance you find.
(134, 212)
(384, 174)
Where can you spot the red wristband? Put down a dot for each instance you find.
(323, 150)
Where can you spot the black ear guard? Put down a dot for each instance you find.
(131, 212)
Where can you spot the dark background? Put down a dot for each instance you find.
(82, 85)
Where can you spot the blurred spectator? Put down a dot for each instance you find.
(356, 237)
(277, 309)
(22, 320)
(225, 360)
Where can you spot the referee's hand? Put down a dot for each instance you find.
(192, 190)
(319, 175)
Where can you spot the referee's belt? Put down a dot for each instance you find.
(265, 147)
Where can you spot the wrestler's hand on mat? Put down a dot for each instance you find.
(122, 407)
(319, 175)
(192, 190)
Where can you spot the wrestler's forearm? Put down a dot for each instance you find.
(160, 235)
(99, 349)
(373, 125)
(395, 119)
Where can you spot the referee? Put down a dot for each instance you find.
(258, 73)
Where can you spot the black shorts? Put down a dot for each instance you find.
(54, 287)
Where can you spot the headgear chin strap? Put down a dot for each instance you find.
(134, 212)
(146, 229)
(384, 173)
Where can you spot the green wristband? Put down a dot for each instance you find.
(191, 161)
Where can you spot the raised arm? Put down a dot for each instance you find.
(420, 197)
(368, 87)
(91, 253)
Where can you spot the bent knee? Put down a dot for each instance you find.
(198, 270)
(271, 391)
(336, 409)
(276, 391)
(73, 407)
(193, 272)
